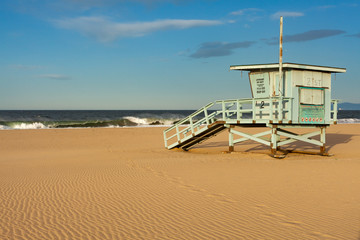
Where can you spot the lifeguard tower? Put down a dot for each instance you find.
(285, 96)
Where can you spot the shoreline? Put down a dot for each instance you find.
(139, 126)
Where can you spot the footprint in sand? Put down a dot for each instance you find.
(282, 219)
(219, 197)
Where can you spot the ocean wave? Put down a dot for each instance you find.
(34, 125)
(4, 127)
(139, 121)
(348, 120)
(123, 122)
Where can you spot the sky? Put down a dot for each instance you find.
(164, 54)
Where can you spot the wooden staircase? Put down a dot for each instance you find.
(211, 131)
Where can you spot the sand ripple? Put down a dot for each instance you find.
(100, 186)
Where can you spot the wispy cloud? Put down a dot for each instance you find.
(24, 67)
(36, 7)
(78, 5)
(86, 5)
(326, 7)
(306, 36)
(250, 14)
(105, 30)
(96, 3)
(54, 76)
(354, 35)
(246, 10)
(218, 49)
(277, 15)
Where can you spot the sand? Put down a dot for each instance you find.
(123, 184)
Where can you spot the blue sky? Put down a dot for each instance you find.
(164, 54)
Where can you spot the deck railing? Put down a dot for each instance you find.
(334, 111)
(243, 111)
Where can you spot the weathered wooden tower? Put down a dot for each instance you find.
(284, 96)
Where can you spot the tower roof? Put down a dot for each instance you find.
(275, 66)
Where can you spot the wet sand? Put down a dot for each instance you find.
(123, 184)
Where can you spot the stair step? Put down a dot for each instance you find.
(211, 131)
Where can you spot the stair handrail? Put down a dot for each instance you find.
(192, 125)
(180, 122)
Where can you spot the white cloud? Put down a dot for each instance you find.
(249, 14)
(326, 6)
(239, 12)
(246, 10)
(25, 67)
(105, 30)
(54, 76)
(277, 15)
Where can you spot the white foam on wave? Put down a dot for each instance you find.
(139, 121)
(112, 126)
(3, 127)
(151, 121)
(169, 122)
(348, 120)
(35, 125)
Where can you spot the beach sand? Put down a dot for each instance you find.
(123, 184)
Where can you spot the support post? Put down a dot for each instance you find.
(322, 140)
(223, 110)
(237, 109)
(177, 133)
(240, 113)
(231, 140)
(165, 140)
(192, 125)
(206, 116)
(253, 109)
(281, 109)
(274, 139)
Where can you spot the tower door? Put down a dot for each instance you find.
(312, 109)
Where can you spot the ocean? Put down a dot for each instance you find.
(44, 119)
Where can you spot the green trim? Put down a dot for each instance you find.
(316, 88)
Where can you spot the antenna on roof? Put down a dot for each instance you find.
(280, 55)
